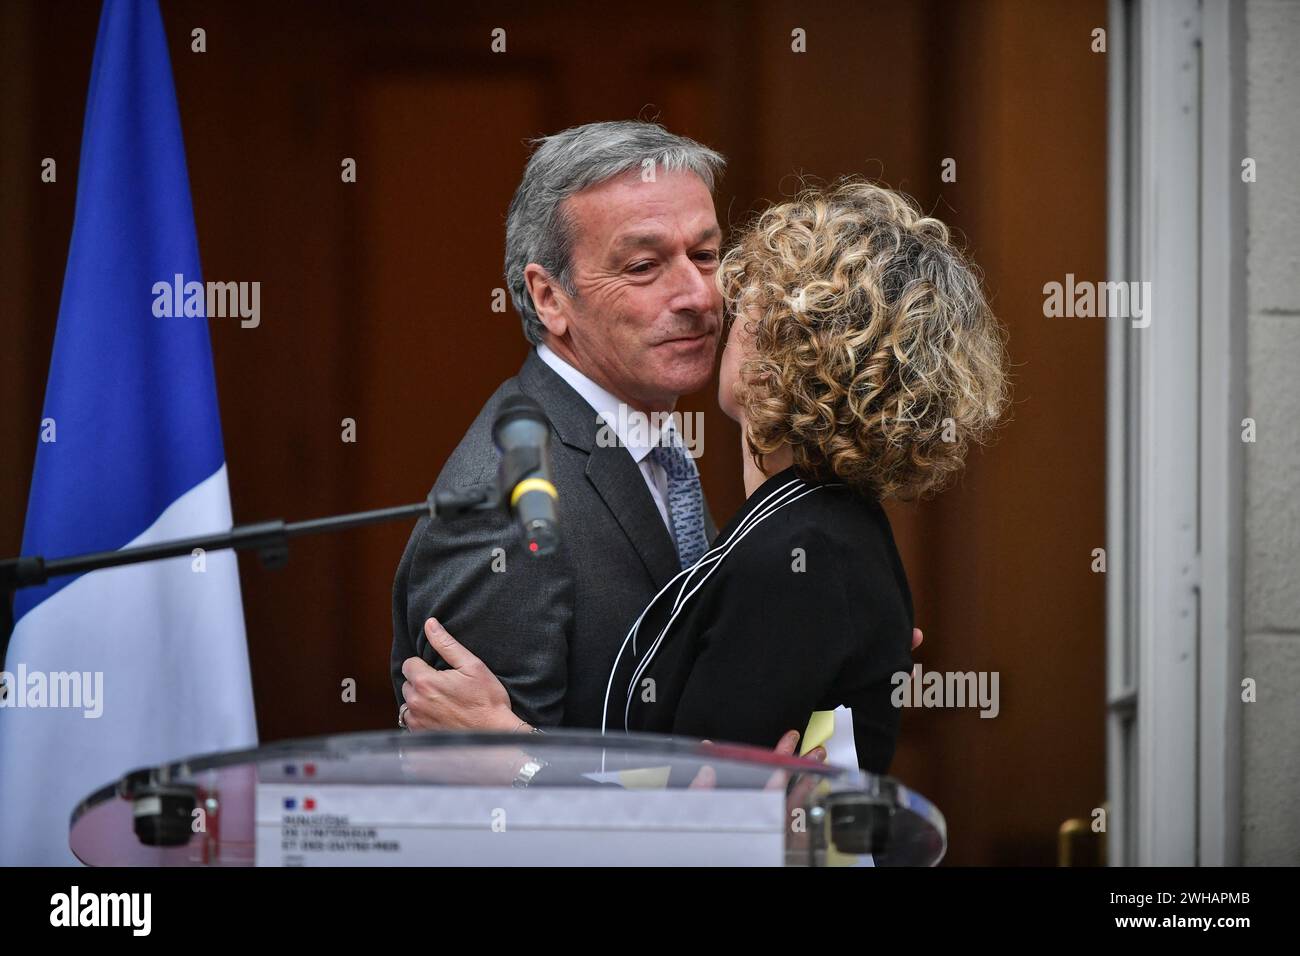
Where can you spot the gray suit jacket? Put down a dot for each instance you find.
(550, 627)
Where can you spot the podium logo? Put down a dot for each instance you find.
(103, 909)
(213, 300)
(56, 689)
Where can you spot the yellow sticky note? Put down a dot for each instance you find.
(648, 778)
(820, 727)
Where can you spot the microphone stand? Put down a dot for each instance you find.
(269, 538)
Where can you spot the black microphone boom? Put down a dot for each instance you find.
(521, 432)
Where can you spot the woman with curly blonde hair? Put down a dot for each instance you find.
(861, 363)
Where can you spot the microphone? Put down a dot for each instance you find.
(522, 435)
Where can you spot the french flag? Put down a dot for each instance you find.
(130, 453)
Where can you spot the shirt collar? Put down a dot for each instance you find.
(637, 436)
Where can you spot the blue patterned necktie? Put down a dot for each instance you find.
(685, 498)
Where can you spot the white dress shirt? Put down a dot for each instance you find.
(638, 441)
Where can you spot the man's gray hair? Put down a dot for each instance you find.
(537, 229)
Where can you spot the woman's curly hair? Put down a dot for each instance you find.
(874, 353)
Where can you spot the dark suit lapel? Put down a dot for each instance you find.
(611, 470)
(618, 480)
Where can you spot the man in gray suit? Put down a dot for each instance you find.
(612, 242)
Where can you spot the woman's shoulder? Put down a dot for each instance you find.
(824, 563)
(843, 538)
(844, 532)
(835, 514)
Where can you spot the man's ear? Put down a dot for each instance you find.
(549, 301)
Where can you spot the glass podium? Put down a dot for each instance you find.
(563, 798)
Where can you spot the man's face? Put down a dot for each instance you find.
(645, 319)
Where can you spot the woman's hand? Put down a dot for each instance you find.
(467, 697)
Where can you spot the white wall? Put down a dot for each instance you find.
(1271, 726)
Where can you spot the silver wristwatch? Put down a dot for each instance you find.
(526, 773)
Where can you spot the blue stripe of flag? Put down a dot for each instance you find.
(133, 396)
